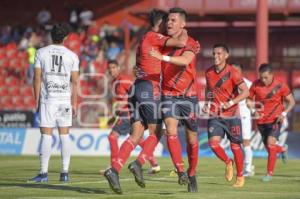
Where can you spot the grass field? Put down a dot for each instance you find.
(87, 183)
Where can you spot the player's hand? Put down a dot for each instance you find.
(205, 109)
(155, 54)
(226, 105)
(74, 110)
(111, 121)
(280, 119)
(135, 71)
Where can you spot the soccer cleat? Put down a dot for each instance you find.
(229, 171)
(248, 174)
(266, 178)
(284, 154)
(240, 181)
(64, 177)
(136, 169)
(183, 178)
(112, 177)
(192, 186)
(42, 177)
(154, 170)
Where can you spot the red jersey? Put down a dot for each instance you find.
(148, 67)
(269, 99)
(223, 87)
(121, 88)
(180, 80)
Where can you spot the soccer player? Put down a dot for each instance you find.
(269, 94)
(145, 101)
(55, 90)
(225, 88)
(121, 119)
(179, 97)
(245, 115)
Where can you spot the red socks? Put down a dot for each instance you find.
(124, 154)
(114, 148)
(273, 149)
(219, 151)
(174, 147)
(238, 158)
(192, 151)
(147, 151)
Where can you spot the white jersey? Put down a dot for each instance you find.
(56, 62)
(244, 110)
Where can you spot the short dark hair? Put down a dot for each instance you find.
(155, 15)
(265, 67)
(180, 11)
(59, 32)
(221, 45)
(113, 62)
(240, 66)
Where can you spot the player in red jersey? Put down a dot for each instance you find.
(145, 101)
(179, 97)
(269, 93)
(225, 88)
(121, 117)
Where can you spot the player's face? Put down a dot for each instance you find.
(220, 56)
(113, 70)
(175, 24)
(266, 77)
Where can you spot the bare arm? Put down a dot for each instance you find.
(74, 80)
(37, 85)
(243, 94)
(289, 99)
(185, 59)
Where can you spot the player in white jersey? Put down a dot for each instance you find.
(55, 90)
(245, 114)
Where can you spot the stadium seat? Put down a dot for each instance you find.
(7, 103)
(4, 91)
(11, 81)
(18, 102)
(14, 91)
(26, 91)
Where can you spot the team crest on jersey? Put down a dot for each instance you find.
(211, 129)
(165, 110)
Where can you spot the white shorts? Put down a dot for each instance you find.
(246, 127)
(55, 115)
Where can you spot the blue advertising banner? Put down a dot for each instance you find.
(12, 140)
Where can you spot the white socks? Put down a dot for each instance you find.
(248, 158)
(65, 152)
(45, 152)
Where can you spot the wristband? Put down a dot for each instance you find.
(284, 114)
(166, 58)
(231, 103)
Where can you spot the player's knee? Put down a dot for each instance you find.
(235, 146)
(214, 143)
(112, 136)
(246, 143)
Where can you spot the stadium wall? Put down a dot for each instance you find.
(94, 142)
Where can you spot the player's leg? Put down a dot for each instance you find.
(271, 133)
(65, 153)
(235, 137)
(246, 131)
(47, 122)
(114, 148)
(64, 122)
(215, 134)
(192, 152)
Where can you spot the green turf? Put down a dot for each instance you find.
(87, 183)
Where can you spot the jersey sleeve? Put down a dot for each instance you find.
(193, 46)
(75, 66)
(159, 40)
(237, 78)
(37, 60)
(285, 90)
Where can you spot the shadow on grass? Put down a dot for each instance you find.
(55, 187)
